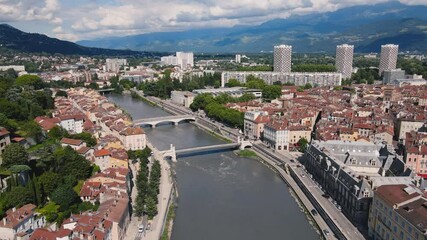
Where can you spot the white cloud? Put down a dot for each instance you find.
(85, 19)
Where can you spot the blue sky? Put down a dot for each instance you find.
(88, 19)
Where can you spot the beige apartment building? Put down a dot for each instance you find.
(398, 212)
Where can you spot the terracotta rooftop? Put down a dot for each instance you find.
(70, 141)
(15, 217)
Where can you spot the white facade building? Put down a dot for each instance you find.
(388, 59)
(183, 98)
(169, 60)
(276, 136)
(114, 64)
(238, 58)
(72, 123)
(185, 59)
(344, 60)
(17, 68)
(282, 58)
(298, 78)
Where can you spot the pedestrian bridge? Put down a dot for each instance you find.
(153, 122)
(173, 154)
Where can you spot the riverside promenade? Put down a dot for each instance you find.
(164, 197)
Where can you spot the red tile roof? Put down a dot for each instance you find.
(70, 141)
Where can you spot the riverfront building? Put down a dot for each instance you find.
(282, 58)
(344, 60)
(350, 171)
(319, 79)
(398, 212)
(388, 59)
(183, 98)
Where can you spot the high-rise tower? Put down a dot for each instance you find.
(388, 58)
(282, 58)
(344, 60)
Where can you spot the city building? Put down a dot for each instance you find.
(73, 143)
(316, 79)
(169, 60)
(72, 123)
(232, 91)
(238, 58)
(409, 82)
(183, 98)
(350, 171)
(416, 159)
(344, 60)
(4, 139)
(17, 68)
(18, 221)
(393, 74)
(282, 58)
(185, 59)
(254, 122)
(276, 135)
(398, 212)
(388, 58)
(114, 64)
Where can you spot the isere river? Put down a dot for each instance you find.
(221, 195)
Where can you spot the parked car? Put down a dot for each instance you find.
(339, 207)
(141, 228)
(314, 212)
(325, 195)
(326, 232)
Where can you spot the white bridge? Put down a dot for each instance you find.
(176, 119)
(172, 153)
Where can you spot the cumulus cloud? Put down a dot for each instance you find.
(85, 19)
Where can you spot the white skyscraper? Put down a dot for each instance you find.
(282, 58)
(238, 58)
(344, 60)
(185, 59)
(388, 57)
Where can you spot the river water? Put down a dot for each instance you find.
(221, 195)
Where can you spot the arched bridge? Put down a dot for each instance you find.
(167, 119)
(173, 154)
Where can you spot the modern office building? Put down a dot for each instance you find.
(393, 74)
(388, 58)
(282, 58)
(344, 60)
(316, 79)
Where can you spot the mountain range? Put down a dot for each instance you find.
(367, 27)
(13, 38)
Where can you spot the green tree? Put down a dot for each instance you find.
(57, 132)
(30, 81)
(61, 93)
(151, 207)
(65, 196)
(254, 83)
(302, 144)
(32, 130)
(49, 181)
(271, 92)
(233, 83)
(14, 154)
